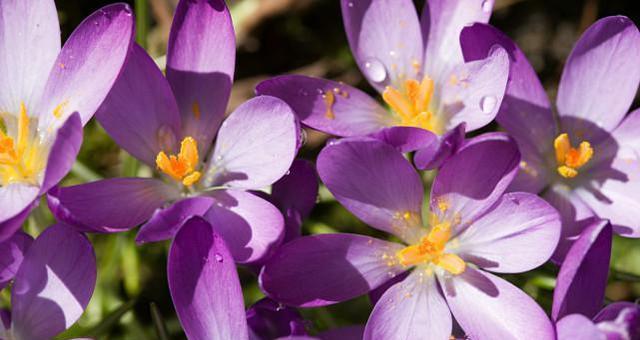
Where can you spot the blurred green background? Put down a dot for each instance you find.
(132, 299)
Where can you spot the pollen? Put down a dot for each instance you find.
(412, 104)
(570, 159)
(431, 249)
(21, 156)
(181, 167)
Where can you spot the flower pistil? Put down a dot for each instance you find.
(570, 159)
(181, 167)
(431, 249)
(412, 103)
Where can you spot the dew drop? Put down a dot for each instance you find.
(279, 307)
(320, 92)
(487, 5)
(488, 104)
(218, 257)
(303, 92)
(350, 4)
(287, 173)
(374, 70)
(332, 141)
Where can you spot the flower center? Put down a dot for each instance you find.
(22, 156)
(412, 104)
(571, 159)
(181, 167)
(431, 249)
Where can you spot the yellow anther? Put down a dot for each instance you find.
(570, 159)
(431, 249)
(451, 263)
(22, 159)
(182, 167)
(412, 103)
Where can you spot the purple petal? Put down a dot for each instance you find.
(16, 201)
(488, 307)
(525, 111)
(295, 195)
(29, 45)
(410, 309)
(298, 189)
(110, 205)
(328, 106)
(613, 192)
(626, 134)
(518, 234)
(600, 78)
(378, 292)
(473, 91)
(255, 145)
(200, 63)
(54, 283)
(619, 320)
(204, 284)
(442, 21)
(407, 139)
(461, 195)
(63, 152)
(324, 269)
(12, 253)
(343, 333)
(87, 66)
(436, 154)
(140, 113)
(165, 222)
(583, 275)
(250, 226)
(385, 38)
(575, 215)
(271, 320)
(376, 183)
(576, 326)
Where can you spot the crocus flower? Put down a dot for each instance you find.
(169, 123)
(585, 160)
(474, 229)
(42, 88)
(418, 68)
(53, 284)
(580, 289)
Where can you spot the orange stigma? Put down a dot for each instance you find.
(431, 249)
(412, 104)
(182, 167)
(570, 159)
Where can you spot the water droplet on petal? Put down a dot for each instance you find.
(487, 5)
(303, 92)
(332, 141)
(219, 257)
(488, 104)
(279, 307)
(350, 4)
(287, 173)
(374, 70)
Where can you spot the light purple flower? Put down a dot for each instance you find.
(474, 229)
(52, 286)
(418, 68)
(580, 289)
(48, 93)
(585, 160)
(169, 124)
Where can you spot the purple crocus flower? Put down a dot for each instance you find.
(169, 124)
(580, 289)
(418, 68)
(55, 278)
(475, 228)
(48, 93)
(585, 160)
